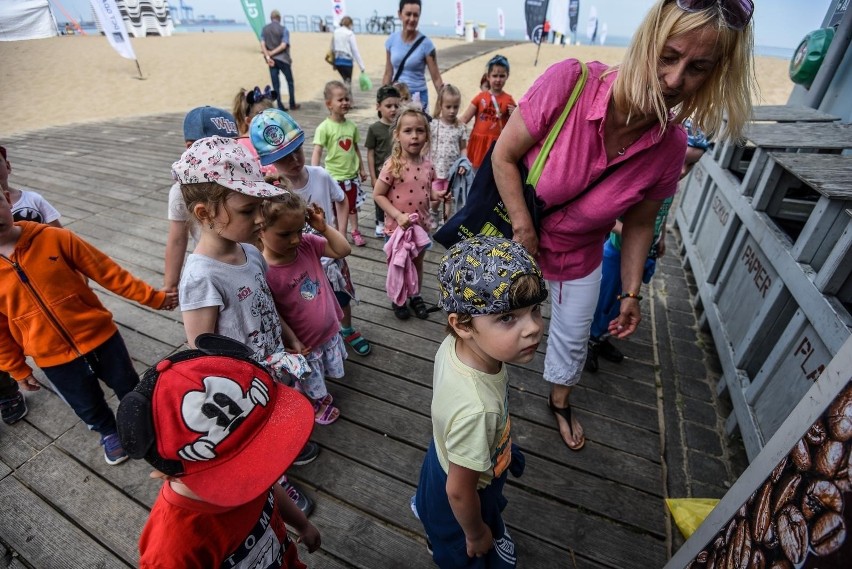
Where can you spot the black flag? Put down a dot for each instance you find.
(573, 13)
(535, 12)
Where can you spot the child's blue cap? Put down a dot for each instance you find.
(202, 122)
(275, 134)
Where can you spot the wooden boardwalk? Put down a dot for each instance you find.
(61, 505)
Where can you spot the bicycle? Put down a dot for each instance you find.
(381, 24)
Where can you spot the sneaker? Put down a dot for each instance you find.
(358, 239)
(609, 352)
(13, 409)
(380, 230)
(591, 364)
(309, 454)
(434, 222)
(302, 501)
(401, 311)
(113, 451)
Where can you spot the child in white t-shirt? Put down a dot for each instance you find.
(27, 205)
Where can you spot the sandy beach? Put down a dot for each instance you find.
(66, 80)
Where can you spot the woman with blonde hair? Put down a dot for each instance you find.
(618, 154)
(345, 50)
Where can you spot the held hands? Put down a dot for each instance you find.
(478, 545)
(627, 320)
(364, 175)
(270, 62)
(171, 301)
(315, 216)
(29, 383)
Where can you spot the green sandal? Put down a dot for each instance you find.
(356, 341)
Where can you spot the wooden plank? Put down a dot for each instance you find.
(97, 507)
(130, 477)
(363, 541)
(800, 135)
(790, 113)
(42, 536)
(828, 174)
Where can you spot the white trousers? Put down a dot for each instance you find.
(572, 309)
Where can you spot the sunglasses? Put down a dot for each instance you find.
(735, 13)
(498, 60)
(256, 95)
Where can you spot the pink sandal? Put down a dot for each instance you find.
(324, 412)
(358, 239)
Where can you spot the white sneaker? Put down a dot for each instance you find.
(380, 230)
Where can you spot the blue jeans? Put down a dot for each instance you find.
(77, 382)
(276, 83)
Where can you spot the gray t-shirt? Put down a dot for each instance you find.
(246, 309)
(178, 212)
(274, 34)
(322, 190)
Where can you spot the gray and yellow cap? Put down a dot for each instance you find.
(476, 274)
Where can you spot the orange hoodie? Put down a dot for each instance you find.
(47, 310)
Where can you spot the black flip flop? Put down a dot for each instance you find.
(565, 413)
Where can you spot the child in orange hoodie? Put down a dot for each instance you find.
(48, 312)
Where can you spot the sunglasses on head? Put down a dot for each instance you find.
(498, 60)
(736, 13)
(256, 95)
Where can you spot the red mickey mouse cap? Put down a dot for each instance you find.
(218, 422)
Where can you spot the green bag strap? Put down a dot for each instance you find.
(538, 165)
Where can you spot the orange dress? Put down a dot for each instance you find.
(487, 124)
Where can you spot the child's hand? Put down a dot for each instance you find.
(478, 546)
(510, 109)
(297, 347)
(364, 175)
(29, 383)
(462, 170)
(171, 301)
(310, 537)
(403, 220)
(315, 217)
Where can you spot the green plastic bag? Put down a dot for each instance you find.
(688, 513)
(364, 81)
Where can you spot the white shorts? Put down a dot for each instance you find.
(572, 307)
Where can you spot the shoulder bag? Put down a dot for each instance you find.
(484, 211)
(404, 59)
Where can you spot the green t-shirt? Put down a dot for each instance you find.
(380, 140)
(340, 141)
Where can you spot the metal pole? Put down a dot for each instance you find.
(139, 69)
(540, 39)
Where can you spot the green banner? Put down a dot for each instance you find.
(254, 13)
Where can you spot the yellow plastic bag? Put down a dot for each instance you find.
(689, 513)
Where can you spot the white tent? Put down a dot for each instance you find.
(26, 20)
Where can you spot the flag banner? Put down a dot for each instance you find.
(592, 25)
(573, 14)
(114, 28)
(559, 16)
(535, 11)
(501, 22)
(338, 10)
(459, 18)
(254, 15)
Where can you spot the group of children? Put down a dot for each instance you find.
(265, 298)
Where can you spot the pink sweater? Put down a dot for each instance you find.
(401, 249)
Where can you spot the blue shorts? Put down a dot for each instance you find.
(449, 549)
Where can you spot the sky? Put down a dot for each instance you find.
(778, 23)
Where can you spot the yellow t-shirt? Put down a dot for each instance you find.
(470, 415)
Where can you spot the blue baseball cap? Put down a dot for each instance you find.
(275, 134)
(202, 122)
